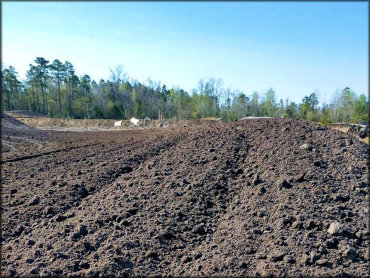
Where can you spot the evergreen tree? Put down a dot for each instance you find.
(42, 70)
(58, 71)
(121, 98)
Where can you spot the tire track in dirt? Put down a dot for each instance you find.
(131, 166)
(83, 186)
(45, 153)
(128, 167)
(39, 146)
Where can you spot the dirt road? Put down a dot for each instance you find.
(257, 197)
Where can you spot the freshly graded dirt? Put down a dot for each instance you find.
(257, 197)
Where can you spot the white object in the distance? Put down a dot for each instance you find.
(134, 120)
(118, 123)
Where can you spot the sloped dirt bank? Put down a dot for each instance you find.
(83, 125)
(18, 138)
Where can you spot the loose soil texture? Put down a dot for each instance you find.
(255, 197)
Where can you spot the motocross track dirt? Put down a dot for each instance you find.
(255, 197)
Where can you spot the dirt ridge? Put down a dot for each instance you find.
(258, 197)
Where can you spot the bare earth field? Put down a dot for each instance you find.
(248, 198)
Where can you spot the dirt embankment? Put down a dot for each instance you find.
(258, 197)
(84, 125)
(20, 139)
(25, 114)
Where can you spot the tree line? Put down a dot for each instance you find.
(55, 90)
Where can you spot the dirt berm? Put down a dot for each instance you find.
(258, 197)
(20, 139)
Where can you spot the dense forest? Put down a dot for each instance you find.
(55, 90)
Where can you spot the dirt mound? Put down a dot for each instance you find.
(255, 197)
(24, 114)
(360, 131)
(66, 123)
(83, 125)
(10, 121)
(17, 138)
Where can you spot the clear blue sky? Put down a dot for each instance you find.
(293, 47)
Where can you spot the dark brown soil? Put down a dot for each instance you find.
(256, 197)
(20, 139)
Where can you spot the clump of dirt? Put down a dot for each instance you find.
(257, 197)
